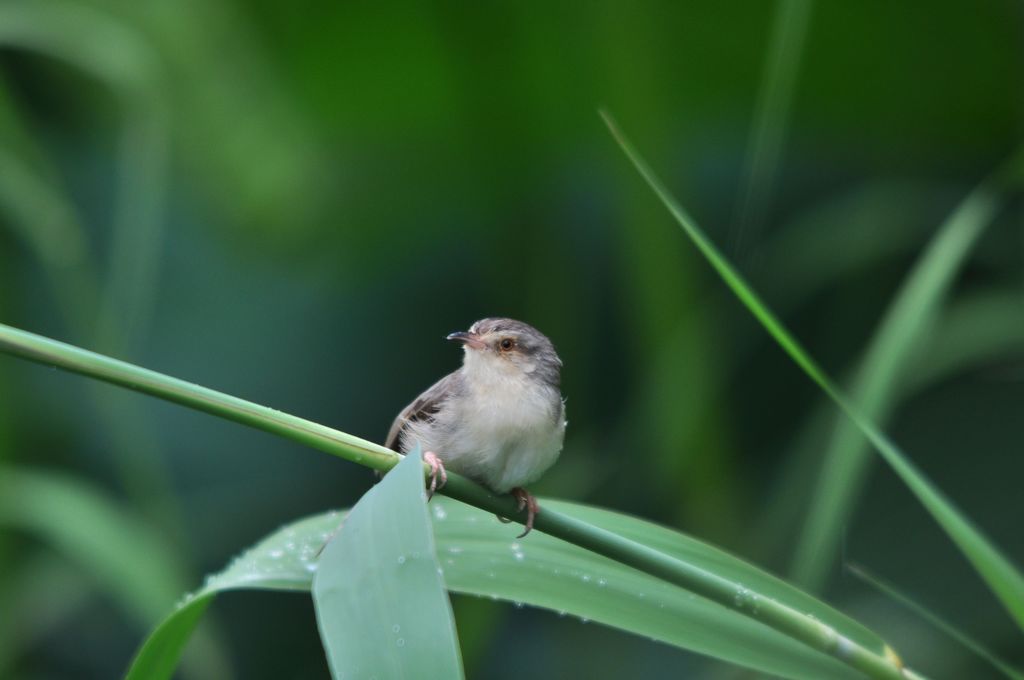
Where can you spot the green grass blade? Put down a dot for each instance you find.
(970, 333)
(51, 352)
(932, 618)
(875, 390)
(996, 570)
(381, 605)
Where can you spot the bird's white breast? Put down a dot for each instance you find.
(505, 431)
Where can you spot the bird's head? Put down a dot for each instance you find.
(510, 346)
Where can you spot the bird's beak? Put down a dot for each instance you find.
(468, 339)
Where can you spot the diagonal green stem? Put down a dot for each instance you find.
(778, 616)
(998, 572)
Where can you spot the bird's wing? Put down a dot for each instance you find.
(422, 408)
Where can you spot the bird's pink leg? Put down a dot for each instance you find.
(526, 500)
(436, 469)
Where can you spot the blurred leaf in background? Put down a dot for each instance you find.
(295, 203)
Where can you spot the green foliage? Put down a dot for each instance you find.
(295, 206)
(478, 557)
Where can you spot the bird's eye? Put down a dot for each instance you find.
(506, 344)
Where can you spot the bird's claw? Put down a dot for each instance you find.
(526, 501)
(436, 470)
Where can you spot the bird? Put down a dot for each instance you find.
(499, 419)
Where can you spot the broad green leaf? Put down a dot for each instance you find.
(1001, 576)
(876, 388)
(381, 604)
(480, 557)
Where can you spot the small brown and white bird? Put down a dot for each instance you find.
(499, 419)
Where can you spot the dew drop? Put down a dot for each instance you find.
(401, 559)
(396, 628)
(400, 642)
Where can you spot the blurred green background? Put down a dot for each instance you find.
(295, 202)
